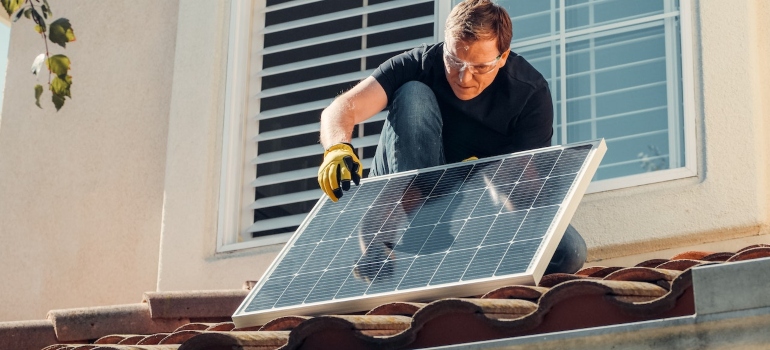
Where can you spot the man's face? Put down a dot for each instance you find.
(471, 66)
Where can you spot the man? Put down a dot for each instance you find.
(467, 97)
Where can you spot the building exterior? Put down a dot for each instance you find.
(146, 179)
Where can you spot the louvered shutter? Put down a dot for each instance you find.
(305, 53)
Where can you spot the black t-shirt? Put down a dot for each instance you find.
(512, 114)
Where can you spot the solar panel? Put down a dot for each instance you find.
(454, 230)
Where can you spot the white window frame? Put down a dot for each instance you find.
(237, 172)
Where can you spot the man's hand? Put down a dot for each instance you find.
(340, 165)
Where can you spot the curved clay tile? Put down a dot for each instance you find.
(516, 292)
(589, 270)
(691, 255)
(651, 263)
(680, 265)
(236, 340)
(195, 326)
(553, 279)
(752, 247)
(396, 308)
(153, 339)
(179, 337)
(56, 347)
(722, 256)
(131, 340)
(285, 323)
(319, 332)
(667, 302)
(604, 272)
(221, 327)
(110, 339)
(753, 253)
(642, 274)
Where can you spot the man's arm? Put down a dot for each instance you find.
(341, 165)
(361, 102)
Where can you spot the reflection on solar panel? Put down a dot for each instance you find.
(449, 231)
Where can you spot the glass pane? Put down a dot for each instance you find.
(584, 14)
(621, 86)
(532, 19)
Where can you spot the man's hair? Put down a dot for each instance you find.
(473, 20)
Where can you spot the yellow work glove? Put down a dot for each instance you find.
(340, 165)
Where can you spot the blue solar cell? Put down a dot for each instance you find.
(480, 176)
(270, 292)
(453, 266)
(296, 292)
(328, 286)
(390, 276)
(518, 257)
(394, 190)
(462, 205)
(421, 271)
(345, 225)
(494, 199)
(321, 256)
(504, 228)
(511, 169)
(451, 180)
(485, 262)
(433, 209)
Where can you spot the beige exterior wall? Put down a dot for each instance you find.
(81, 190)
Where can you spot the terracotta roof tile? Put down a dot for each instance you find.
(131, 340)
(194, 304)
(592, 297)
(27, 334)
(96, 322)
(152, 339)
(753, 253)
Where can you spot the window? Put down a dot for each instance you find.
(303, 54)
(624, 82)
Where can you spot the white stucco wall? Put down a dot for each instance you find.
(81, 190)
(728, 200)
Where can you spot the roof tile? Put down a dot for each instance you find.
(96, 322)
(596, 296)
(26, 334)
(194, 304)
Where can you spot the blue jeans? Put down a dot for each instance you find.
(411, 139)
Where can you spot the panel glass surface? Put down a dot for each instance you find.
(453, 224)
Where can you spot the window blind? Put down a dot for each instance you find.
(305, 53)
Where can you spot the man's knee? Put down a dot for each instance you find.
(570, 255)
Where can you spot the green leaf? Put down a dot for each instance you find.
(58, 101)
(28, 13)
(38, 92)
(11, 6)
(58, 64)
(61, 32)
(38, 20)
(60, 85)
(39, 29)
(45, 11)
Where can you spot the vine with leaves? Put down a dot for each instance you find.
(58, 32)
